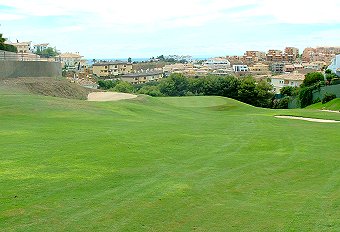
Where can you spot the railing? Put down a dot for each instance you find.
(12, 56)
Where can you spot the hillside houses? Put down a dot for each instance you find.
(289, 79)
(143, 77)
(108, 69)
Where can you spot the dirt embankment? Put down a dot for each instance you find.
(48, 87)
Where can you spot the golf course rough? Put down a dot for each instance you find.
(165, 164)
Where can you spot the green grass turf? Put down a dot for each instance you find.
(332, 105)
(165, 164)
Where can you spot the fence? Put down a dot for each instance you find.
(317, 95)
(12, 56)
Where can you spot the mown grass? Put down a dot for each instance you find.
(332, 105)
(165, 164)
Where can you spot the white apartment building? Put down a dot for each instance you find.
(240, 68)
(335, 65)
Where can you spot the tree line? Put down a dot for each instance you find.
(245, 89)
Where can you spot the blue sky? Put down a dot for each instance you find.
(202, 28)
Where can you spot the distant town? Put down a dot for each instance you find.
(286, 67)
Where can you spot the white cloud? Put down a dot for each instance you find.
(10, 17)
(112, 24)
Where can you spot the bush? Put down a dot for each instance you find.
(306, 94)
(287, 91)
(281, 103)
(103, 84)
(328, 97)
(150, 90)
(123, 87)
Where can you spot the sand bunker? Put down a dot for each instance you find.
(331, 111)
(309, 119)
(109, 96)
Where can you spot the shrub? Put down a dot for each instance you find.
(107, 84)
(150, 90)
(281, 103)
(328, 97)
(287, 91)
(123, 87)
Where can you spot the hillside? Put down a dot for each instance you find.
(332, 105)
(165, 164)
(45, 86)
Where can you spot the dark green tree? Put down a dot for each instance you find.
(312, 78)
(287, 91)
(6, 47)
(174, 85)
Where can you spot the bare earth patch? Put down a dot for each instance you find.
(109, 96)
(309, 119)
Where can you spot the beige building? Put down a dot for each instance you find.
(107, 69)
(325, 54)
(292, 67)
(259, 69)
(274, 55)
(317, 65)
(291, 54)
(142, 77)
(290, 79)
(254, 56)
(69, 60)
(23, 47)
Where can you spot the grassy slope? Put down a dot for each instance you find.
(332, 105)
(165, 164)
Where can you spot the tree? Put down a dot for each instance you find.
(161, 57)
(287, 91)
(174, 85)
(107, 84)
(150, 90)
(47, 53)
(312, 78)
(2, 40)
(264, 94)
(247, 91)
(123, 87)
(306, 95)
(6, 47)
(129, 60)
(328, 71)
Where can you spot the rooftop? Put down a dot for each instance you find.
(111, 63)
(143, 74)
(290, 76)
(69, 55)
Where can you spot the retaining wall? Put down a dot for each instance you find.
(335, 89)
(12, 69)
